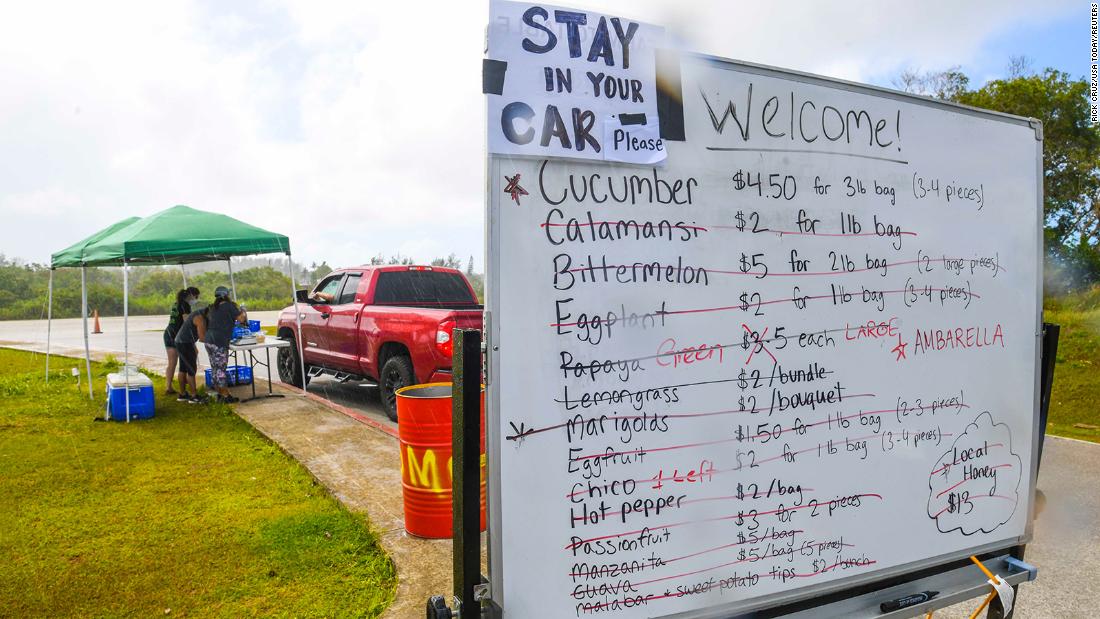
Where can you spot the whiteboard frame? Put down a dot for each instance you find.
(492, 347)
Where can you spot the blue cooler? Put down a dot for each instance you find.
(142, 403)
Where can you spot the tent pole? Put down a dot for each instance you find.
(232, 284)
(184, 271)
(126, 332)
(84, 316)
(49, 323)
(297, 320)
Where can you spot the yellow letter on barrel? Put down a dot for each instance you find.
(425, 473)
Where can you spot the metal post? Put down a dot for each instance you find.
(49, 323)
(466, 468)
(84, 318)
(232, 284)
(297, 320)
(1046, 377)
(126, 333)
(184, 271)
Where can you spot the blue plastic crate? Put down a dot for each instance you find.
(234, 375)
(254, 326)
(239, 332)
(230, 378)
(242, 374)
(142, 403)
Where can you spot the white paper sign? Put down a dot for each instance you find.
(568, 71)
(633, 143)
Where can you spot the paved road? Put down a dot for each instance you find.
(1067, 534)
(147, 349)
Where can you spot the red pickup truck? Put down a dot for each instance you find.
(389, 324)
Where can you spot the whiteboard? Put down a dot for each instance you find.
(772, 367)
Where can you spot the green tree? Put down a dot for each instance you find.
(159, 282)
(381, 260)
(946, 84)
(477, 281)
(320, 271)
(450, 262)
(23, 289)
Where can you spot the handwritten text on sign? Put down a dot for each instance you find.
(577, 84)
(801, 351)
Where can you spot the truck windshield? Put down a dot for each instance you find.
(422, 288)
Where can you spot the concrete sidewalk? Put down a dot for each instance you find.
(360, 466)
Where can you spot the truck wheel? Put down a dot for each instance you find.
(396, 373)
(290, 371)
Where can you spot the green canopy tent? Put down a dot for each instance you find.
(73, 256)
(181, 235)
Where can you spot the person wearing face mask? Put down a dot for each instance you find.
(221, 317)
(180, 310)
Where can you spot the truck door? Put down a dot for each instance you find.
(343, 325)
(315, 335)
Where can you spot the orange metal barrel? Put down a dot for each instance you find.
(424, 429)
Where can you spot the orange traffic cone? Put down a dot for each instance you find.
(95, 327)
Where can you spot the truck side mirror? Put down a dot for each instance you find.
(302, 296)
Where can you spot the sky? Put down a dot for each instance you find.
(357, 128)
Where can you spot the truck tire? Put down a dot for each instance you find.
(290, 370)
(396, 373)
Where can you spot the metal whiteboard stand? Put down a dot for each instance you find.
(1046, 377)
(469, 584)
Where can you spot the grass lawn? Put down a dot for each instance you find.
(192, 513)
(1075, 397)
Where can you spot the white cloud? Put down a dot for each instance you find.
(356, 127)
(54, 202)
